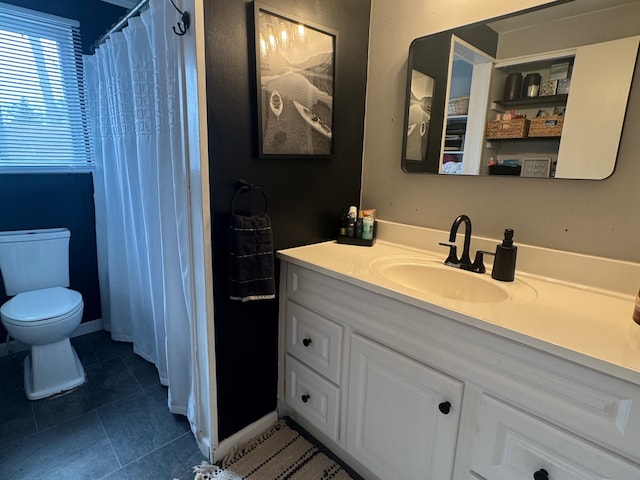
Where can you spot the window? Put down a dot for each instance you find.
(42, 107)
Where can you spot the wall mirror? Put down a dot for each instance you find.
(537, 94)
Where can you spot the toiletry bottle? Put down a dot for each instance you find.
(367, 228)
(351, 221)
(636, 311)
(504, 266)
(358, 230)
(351, 227)
(342, 229)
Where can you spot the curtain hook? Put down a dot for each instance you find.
(184, 25)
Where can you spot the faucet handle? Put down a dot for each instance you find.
(478, 263)
(452, 259)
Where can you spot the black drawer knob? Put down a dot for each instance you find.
(306, 342)
(445, 407)
(541, 474)
(305, 398)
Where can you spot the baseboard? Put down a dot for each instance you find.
(88, 327)
(83, 329)
(244, 435)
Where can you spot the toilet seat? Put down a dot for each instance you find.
(41, 307)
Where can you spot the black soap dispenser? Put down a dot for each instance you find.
(504, 266)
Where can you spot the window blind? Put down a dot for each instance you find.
(42, 105)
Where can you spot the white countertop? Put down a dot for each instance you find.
(588, 325)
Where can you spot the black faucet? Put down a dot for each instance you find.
(464, 262)
(464, 259)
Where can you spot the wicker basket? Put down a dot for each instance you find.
(459, 106)
(514, 128)
(546, 126)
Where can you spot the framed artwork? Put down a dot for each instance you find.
(295, 69)
(536, 167)
(421, 91)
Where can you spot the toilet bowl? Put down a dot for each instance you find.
(44, 320)
(43, 312)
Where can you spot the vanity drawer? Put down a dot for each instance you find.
(313, 397)
(314, 340)
(512, 445)
(591, 404)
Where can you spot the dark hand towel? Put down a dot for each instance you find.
(251, 269)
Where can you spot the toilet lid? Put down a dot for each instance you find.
(41, 304)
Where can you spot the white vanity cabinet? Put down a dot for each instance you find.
(395, 416)
(404, 390)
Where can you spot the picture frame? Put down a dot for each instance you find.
(295, 80)
(536, 167)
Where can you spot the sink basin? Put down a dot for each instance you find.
(431, 277)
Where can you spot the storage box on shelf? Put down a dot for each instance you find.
(505, 170)
(514, 128)
(546, 126)
(458, 106)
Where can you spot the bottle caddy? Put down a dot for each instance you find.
(357, 227)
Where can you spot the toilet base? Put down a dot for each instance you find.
(52, 369)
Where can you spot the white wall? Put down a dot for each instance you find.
(593, 217)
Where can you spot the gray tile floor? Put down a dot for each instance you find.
(115, 427)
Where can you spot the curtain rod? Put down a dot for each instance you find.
(121, 23)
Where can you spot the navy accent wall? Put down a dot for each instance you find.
(62, 200)
(305, 196)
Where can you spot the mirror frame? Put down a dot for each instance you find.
(437, 58)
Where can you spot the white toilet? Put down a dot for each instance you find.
(43, 313)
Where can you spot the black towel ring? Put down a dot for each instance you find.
(244, 187)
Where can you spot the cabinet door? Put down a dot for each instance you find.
(512, 445)
(402, 415)
(598, 95)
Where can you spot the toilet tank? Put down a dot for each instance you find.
(34, 259)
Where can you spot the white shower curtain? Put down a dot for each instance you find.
(141, 196)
